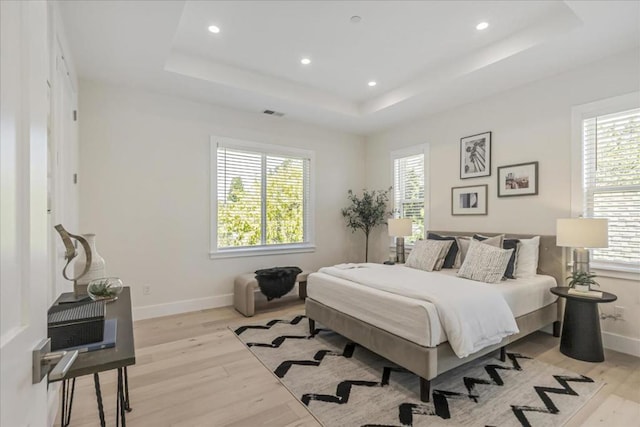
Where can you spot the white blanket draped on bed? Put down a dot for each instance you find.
(472, 314)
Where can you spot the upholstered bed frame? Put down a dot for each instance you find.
(429, 362)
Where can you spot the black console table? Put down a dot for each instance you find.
(581, 338)
(94, 362)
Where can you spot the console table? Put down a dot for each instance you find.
(581, 338)
(94, 362)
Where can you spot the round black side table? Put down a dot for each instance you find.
(581, 338)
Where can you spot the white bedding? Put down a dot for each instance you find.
(415, 319)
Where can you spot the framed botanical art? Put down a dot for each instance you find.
(518, 180)
(475, 156)
(470, 200)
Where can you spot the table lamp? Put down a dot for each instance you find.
(582, 234)
(399, 228)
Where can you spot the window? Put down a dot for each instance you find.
(610, 181)
(409, 188)
(262, 200)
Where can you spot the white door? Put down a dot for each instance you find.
(63, 165)
(23, 208)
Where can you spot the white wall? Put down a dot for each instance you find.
(530, 123)
(144, 190)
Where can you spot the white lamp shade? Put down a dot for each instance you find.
(400, 227)
(582, 232)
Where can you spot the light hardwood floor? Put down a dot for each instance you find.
(192, 371)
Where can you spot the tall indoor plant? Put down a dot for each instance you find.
(367, 212)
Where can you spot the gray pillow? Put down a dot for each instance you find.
(428, 255)
(485, 263)
(463, 247)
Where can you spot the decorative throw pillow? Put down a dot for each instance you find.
(528, 257)
(463, 247)
(428, 255)
(491, 241)
(450, 259)
(485, 263)
(506, 244)
(514, 244)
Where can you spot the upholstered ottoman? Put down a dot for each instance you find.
(245, 285)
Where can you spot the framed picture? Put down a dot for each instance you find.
(518, 180)
(471, 200)
(475, 156)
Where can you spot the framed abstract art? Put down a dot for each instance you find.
(470, 200)
(475, 156)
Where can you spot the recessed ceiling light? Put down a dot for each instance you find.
(482, 26)
(214, 29)
(372, 83)
(355, 19)
(305, 61)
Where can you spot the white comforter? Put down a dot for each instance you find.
(472, 314)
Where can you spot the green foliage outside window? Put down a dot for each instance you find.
(240, 215)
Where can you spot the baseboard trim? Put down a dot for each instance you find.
(184, 306)
(621, 343)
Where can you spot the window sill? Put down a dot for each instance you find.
(262, 250)
(615, 271)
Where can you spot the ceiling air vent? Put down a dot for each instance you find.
(273, 113)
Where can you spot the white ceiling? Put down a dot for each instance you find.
(426, 56)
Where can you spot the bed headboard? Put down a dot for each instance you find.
(552, 260)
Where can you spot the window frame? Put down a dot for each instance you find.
(407, 152)
(578, 115)
(268, 249)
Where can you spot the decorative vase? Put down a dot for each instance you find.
(96, 270)
(582, 288)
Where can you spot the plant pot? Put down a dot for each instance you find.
(105, 289)
(581, 288)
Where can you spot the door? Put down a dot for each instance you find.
(24, 280)
(63, 166)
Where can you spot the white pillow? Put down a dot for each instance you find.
(428, 255)
(485, 263)
(527, 265)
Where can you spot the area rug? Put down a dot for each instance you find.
(344, 384)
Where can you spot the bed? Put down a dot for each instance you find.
(404, 331)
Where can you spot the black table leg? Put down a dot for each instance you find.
(120, 400)
(127, 405)
(581, 337)
(67, 401)
(96, 382)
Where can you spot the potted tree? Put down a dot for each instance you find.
(581, 281)
(366, 213)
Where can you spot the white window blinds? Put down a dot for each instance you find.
(262, 198)
(408, 191)
(611, 164)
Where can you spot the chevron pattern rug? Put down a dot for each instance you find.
(343, 384)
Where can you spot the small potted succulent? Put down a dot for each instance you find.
(581, 281)
(106, 288)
